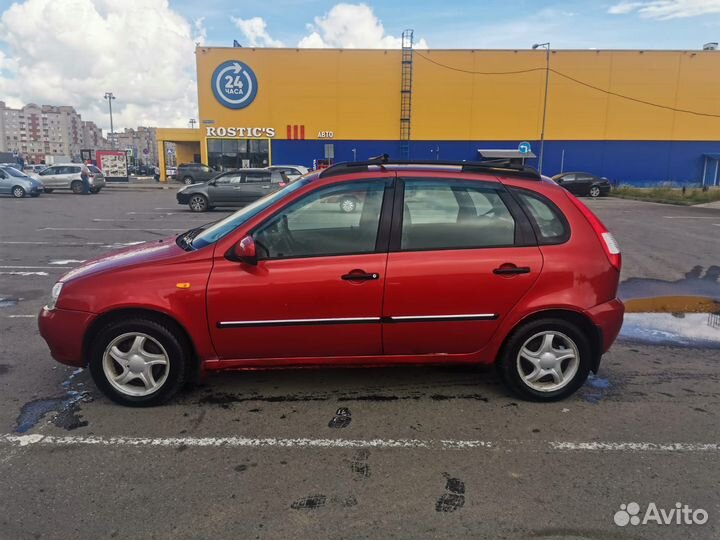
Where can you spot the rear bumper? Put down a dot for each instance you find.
(64, 331)
(608, 318)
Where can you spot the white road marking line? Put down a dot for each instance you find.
(45, 243)
(35, 267)
(66, 261)
(636, 446)
(21, 316)
(690, 217)
(148, 229)
(23, 274)
(275, 442)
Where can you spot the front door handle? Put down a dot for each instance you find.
(509, 270)
(360, 275)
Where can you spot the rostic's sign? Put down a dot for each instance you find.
(234, 84)
(254, 132)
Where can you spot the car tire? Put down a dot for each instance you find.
(348, 205)
(528, 353)
(187, 180)
(594, 192)
(18, 192)
(94, 190)
(134, 374)
(77, 187)
(198, 203)
(48, 190)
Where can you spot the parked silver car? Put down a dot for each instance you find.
(293, 172)
(18, 184)
(67, 176)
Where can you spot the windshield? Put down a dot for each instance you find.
(233, 221)
(14, 172)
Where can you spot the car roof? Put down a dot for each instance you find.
(292, 166)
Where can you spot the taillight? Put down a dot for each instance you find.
(609, 244)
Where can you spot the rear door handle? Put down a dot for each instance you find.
(511, 270)
(360, 275)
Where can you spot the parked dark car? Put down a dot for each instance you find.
(232, 188)
(192, 173)
(583, 184)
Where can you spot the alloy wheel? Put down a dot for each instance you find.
(198, 203)
(548, 361)
(136, 364)
(18, 192)
(594, 191)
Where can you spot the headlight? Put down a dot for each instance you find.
(54, 295)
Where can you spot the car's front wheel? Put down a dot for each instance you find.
(198, 203)
(18, 192)
(594, 192)
(545, 360)
(138, 362)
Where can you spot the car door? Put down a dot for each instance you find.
(68, 174)
(461, 256)
(5, 183)
(255, 184)
(221, 190)
(317, 289)
(583, 183)
(48, 177)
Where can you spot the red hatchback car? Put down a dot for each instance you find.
(441, 263)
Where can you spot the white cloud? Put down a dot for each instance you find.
(255, 32)
(351, 26)
(70, 52)
(667, 9)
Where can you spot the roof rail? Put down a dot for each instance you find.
(492, 166)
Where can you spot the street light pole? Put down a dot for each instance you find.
(192, 123)
(545, 100)
(109, 96)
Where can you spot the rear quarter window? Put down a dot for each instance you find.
(549, 223)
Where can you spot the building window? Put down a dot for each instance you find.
(227, 154)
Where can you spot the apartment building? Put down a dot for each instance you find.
(141, 143)
(36, 131)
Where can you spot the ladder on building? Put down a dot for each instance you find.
(406, 92)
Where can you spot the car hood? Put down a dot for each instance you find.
(149, 252)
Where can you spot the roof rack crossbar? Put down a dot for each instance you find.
(493, 166)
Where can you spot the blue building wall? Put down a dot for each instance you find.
(637, 163)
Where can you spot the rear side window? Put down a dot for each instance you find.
(447, 214)
(549, 223)
(257, 177)
(94, 169)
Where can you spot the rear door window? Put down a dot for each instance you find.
(549, 223)
(257, 177)
(454, 214)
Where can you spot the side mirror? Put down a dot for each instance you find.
(244, 251)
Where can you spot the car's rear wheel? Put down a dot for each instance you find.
(545, 360)
(138, 362)
(48, 190)
(348, 205)
(188, 180)
(95, 190)
(198, 203)
(18, 192)
(594, 192)
(77, 187)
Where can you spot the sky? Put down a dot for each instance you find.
(70, 52)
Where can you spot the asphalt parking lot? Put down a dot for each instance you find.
(439, 452)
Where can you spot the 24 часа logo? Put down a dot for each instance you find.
(234, 84)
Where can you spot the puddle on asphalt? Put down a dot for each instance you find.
(8, 301)
(681, 313)
(66, 408)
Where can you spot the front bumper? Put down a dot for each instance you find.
(64, 331)
(183, 198)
